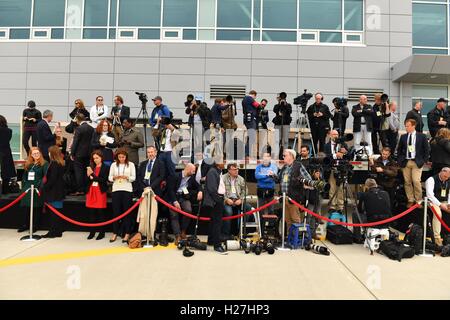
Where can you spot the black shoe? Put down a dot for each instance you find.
(49, 235)
(100, 236)
(22, 229)
(91, 236)
(220, 250)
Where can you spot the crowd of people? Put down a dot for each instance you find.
(103, 158)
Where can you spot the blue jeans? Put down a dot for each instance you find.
(166, 157)
(230, 211)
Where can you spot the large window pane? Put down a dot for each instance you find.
(320, 14)
(289, 36)
(234, 13)
(430, 25)
(96, 13)
(19, 33)
(140, 13)
(353, 15)
(257, 13)
(207, 13)
(430, 51)
(331, 37)
(236, 35)
(113, 13)
(180, 13)
(280, 14)
(149, 34)
(48, 13)
(15, 13)
(422, 91)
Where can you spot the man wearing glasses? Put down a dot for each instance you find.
(99, 111)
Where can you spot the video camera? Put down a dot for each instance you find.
(189, 100)
(340, 102)
(142, 97)
(384, 98)
(303, 100)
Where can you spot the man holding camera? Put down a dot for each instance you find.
(362, 125)
(319, 119)
(374, 203)
(438, 192)
(118, 113)
(282, 120)
(182, 189)
(263, 115)
(386, 170)
(131, 140)
(438, 117)
(167, 143)
(341, 113)
(250, 109)
(335, 150)
(377, 119)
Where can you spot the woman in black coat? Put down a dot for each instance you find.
(79, 108)
(440, 150)
(101, 140)
(6, 159)
(96, 196)
(53, 190)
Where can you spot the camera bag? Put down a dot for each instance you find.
(338, 234)
(396, 250)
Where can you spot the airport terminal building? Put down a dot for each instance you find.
(55, 51)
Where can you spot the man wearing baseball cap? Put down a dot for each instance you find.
(159, 111)
(438, 117)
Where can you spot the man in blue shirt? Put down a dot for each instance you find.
(250, 110)
(159, 111)
(265, 182)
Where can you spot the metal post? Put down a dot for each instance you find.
(148, 227)
(31, 236)
(283, 224)
(425, 207)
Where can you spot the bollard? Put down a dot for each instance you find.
(148, 227)
(31, 236)
(424, 251)
(283, 223)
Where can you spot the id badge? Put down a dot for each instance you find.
(378, 113)
(233, 189)
(120, 181)
(185, 190)
(285, 178)
(147, 175)
(443, 193)
(31, 176)
(95, 184)
(411, 149)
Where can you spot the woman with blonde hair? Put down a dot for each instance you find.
(34, 172)
(79, 108)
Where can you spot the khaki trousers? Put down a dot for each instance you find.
(292, 215)
(436, 224)
(337, 192)
(413, 187)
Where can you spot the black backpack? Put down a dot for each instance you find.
(396, 250)
(414, 237)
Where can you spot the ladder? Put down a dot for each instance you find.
(243, 225)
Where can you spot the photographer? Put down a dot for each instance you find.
(160, 110)
(416, 115)
(216, 113)
(283, 119)
(182, 190)
(375, 204)
(228, 113)
(131, 140)
(362, 124)
(199, 114)
(335, 150)
(250, 110)
(378, 115)
(391, 134)
(167, 144)
(263, 114)
(118, 113)
(341, 113)
(386, 171)
(438, 117)
(319, 119)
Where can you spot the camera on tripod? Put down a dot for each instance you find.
(142, 97)
(303, 100)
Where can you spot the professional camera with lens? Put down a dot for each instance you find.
(340, 102)
(384, 98)
(303, 100)
(189, 100)
(142, 97)
(319, 185)
(193, 243)
(342, 168)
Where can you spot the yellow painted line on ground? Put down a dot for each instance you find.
(77, 254)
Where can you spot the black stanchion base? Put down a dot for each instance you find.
(33, 237)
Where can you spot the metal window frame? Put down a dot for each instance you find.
(178, 30)
(48, 31)
(126, 38)
(6, 31)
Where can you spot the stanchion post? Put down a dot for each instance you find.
(149, 211)
(31, 236)
(283, 224)
(425, 214)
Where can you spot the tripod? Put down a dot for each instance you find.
(302, 123)
(145, 119)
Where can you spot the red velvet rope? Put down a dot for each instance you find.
(99, 224)
(9, 205)
(171, 207)
(440, 219)
(371, 224)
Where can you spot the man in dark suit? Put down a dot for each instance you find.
(118, 113)
(362, 124)
(438, 117)
(319, 119)
(151, 173)
(81, 152)
(202, 166)
(44, 134)
(413, 151)
(182, 190)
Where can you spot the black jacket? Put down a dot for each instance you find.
(81, 146)
(376, 204)
(83, 111)
(367, 113)
(204, 113)
(204, 168)
(31, 113)
(6, 159)
(377, 117)
(156, 178)
(102, 178)
(45, 137)
(295, 188)
(433, 117)
(322, 122)
(440, 151)
(387, 178)
(124, 112)
(422, 150)
(340, 119)
(53, 189)
(211, 196)
(173, 183)
(107, 153)
(283, 114)
(329, 155)
(415, 115)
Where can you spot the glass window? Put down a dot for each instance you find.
(91, 33)
(57, 33)
(256, 13)
(289, 36)
(236, 35)
(429, 96)
(112, 33)
(205, 34)
(149, 34)
(207, 13)
(280, 14)
(113, 13)
(48, 13)
(19, 33)
(320, 14)
(429, 25)
(331, 37)
(180, 13)
(189, 34)
(353, 15)
(257, 35)
(96, 13)
(139, 13)
(430, 51)
(234, 13)
(74, 14)
(15, 13)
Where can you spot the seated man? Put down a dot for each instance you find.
(375, 203)
(235, 192)
(386, 170)
(182, 189)
(438, 193)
